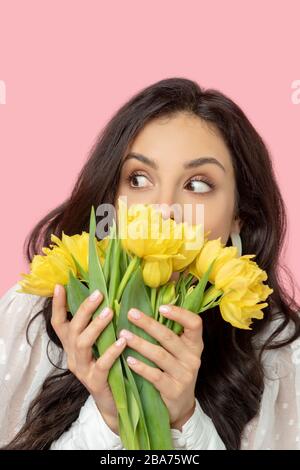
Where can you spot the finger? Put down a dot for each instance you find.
(88, 337)
(158, 378)
(83, 315)
(166, 337)
(160, 356)
(59, 313)
(105, 362)
(191, 322)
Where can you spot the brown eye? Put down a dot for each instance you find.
(200, 185)
(138, 180)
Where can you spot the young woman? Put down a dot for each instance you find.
(225, 388)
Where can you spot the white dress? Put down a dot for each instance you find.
(23, 370)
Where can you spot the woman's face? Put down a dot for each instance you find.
(167, 164)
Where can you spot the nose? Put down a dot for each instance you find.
(166, 211)
(169, 211)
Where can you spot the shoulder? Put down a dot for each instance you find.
(283, 359)
(24, 348)
(17, 308)
(14, 298)
(275, 426)
(16, 311)
(23, 365)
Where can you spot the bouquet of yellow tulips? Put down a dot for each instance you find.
(132, 267)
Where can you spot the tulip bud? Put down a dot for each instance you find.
(190, 290)
(169, 294)
(211, 295)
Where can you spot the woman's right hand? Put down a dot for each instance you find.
(77, 337)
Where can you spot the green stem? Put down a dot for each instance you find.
(115, 273)
(131, 267)
(153, 301)
(116, 382)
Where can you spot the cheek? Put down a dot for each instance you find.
(218, 214)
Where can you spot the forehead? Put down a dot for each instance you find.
(181, 138)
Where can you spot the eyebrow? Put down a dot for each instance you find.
(191, 164)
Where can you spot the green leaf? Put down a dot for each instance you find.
(213, 303)
(114, 281)
(156, 413)
(107, 261)
(133, 411)
(140, 438)
(124, 261)
(76, 293)
(135, 295)
(142, 433)
(189, 280)
(193, 301)
(182, 291)
(132, 266)
(106, 339)
(96, 276)
(84, 274)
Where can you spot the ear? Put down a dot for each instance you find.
(236, 225)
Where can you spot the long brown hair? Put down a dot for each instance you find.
(231, 377)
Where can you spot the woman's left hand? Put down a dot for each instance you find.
(178, 359)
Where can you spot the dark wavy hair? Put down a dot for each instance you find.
(230, 380)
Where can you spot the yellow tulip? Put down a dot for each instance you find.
(193, 240)
(242, 267)
(238, 315)
(238, 277)
(46, 271)
(144, 237)
(78, 246)
(157, 272)
(53, 267)
(241, 281)
(212, 250)
(239, 307)
(162, 244)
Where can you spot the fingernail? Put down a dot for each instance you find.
(165, 309)
(126, 334)
(120, 341)
(131, 360)
(56, 289)
(95, 295)
(133, 313)
(105, 312)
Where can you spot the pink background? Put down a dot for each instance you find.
(69, 65)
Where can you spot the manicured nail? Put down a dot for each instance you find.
(126, 334)
(120, 341)
(105, 312)
(165, 309)
(131, 360)
(95, 295)
(57, 289)
(133, 313)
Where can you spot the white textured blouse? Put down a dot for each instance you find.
(23, 370)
